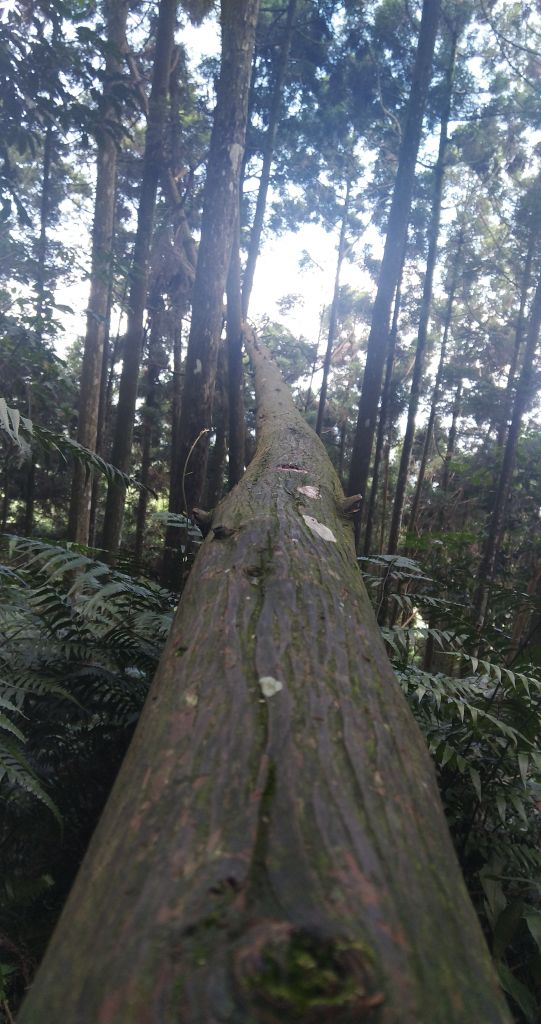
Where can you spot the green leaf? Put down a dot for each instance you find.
(522, 996)
(523, 762)
(533, 921)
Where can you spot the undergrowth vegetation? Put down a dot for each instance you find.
(80, 643)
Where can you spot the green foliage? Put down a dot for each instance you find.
(22, 432)
(482, 722)
(80, 643)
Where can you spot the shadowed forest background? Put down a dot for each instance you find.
(410, 134)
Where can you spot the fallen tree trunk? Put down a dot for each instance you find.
(274, 848)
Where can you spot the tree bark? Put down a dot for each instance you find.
(116, 12)
(149, 424)
(383, 415)
(237, 426)
(133, 341)
(394, 243)
(424, 315)
(268, 154)
(220, 201)
(333, 318)
(436, 394)
(274, 848)
(522, 395)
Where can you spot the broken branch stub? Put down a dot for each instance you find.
(274, 848)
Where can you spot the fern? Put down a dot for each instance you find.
(25, 434)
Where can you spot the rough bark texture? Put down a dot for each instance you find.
(394, 242)
(100, 273)
(274, 849)
(220, 204)
(133, 341)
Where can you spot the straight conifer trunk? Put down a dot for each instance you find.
(424, 316)
(116, 12)
(220, 205)
(274, 849)
(133, 340)
(522, 395)
(268, 156)
(333, 318)
(392, 255)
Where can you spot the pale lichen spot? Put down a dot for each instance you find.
(321, 530)
(310, 491)
(269, 685)
(198, 366)
(191, 699)
(235, 154)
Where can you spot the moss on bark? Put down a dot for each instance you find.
(274, 848)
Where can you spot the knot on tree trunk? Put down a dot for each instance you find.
(296, 973)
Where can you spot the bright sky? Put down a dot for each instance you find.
(277, 273)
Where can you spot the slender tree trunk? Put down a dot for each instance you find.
(519, 337)
(149, 427)
(392, 256)
(42, 241)
(424, 315)
(333, 318)
(449, 452)
(152, 164)
(116, 12)
(220, 199)
(274, 848)
(436, 394)
(237, 427)
(442, 519)
(522, 395)
(383, 415)
(104, 417)
(268, 154)
(40, 283)
(214, 487)
(29, 498)
(385, 496)
(5, 496)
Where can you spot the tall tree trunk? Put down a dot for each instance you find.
(442, 520)
(396, 233)
(522, 395)
(116, 12)
(274, 848)
(42, 245)
(436, 394)
(268, 154)
(214, 487)
(385, 495)
(424, 314)
(152, 164)
(149, 426)
(383, 415)
(449, 452)
(42, 242)
(220, 200)
(333, 318)
(519, 336)
(237, 426)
